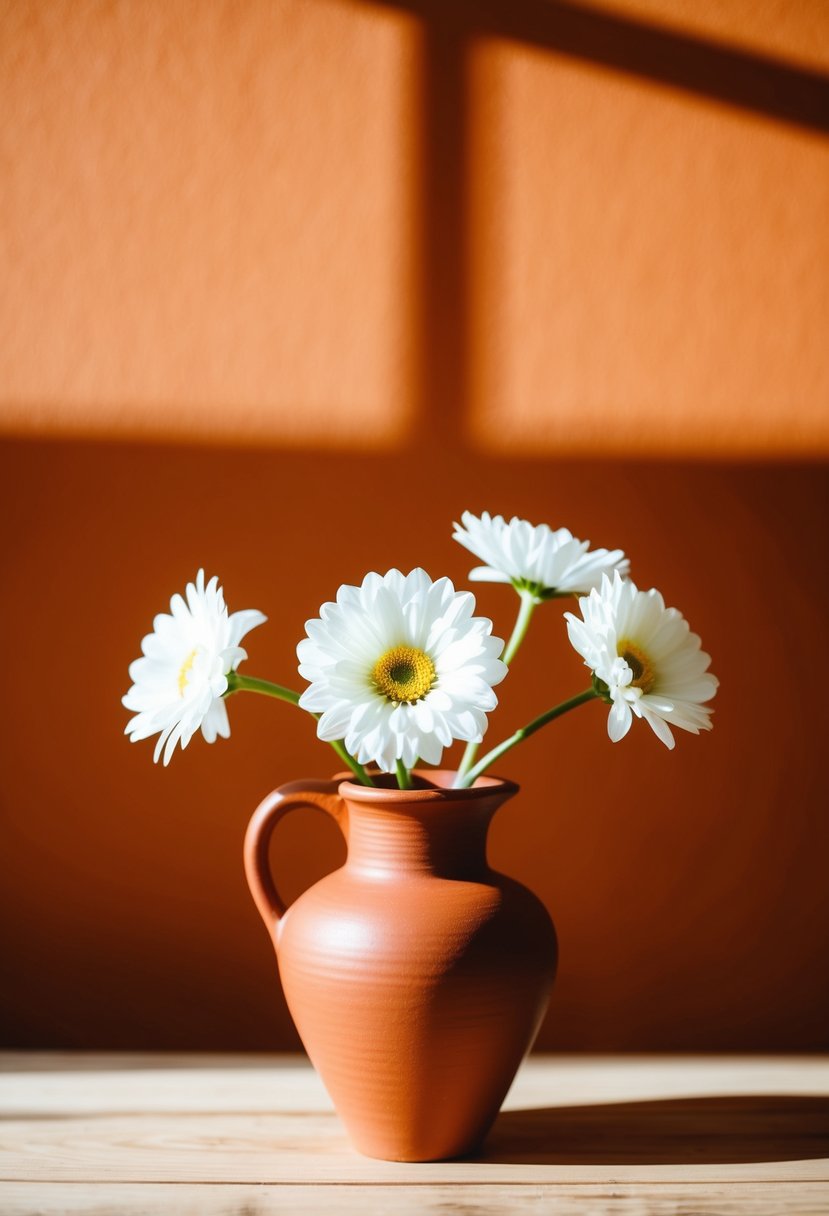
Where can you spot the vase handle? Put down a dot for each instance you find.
(318, 795)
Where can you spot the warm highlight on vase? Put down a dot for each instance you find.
(416, 975)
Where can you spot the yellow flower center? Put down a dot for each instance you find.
(185, 671)
(644, 676)
(403, 673)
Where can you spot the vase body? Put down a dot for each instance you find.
(417, 976)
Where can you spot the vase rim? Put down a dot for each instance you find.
(438, 789)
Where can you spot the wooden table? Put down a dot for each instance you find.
(255, 1134)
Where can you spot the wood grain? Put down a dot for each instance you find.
(687, 1199)
(127, 1134)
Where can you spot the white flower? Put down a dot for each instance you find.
(399, 667)
(179, 683)
(647, 657)
(535, 558)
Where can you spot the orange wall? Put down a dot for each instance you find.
(650, 267)
(229, 222)
(288, 286)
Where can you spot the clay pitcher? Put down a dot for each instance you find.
(416, 975)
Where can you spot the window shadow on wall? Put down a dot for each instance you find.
(755, 84)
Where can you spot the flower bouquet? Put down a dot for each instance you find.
(416, 975)
(399, 667)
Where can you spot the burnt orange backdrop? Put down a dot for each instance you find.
(286, 288)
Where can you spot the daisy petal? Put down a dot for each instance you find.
(399, 667)
(646, 657)
(619, 720)
(534, 557)
(179, 683)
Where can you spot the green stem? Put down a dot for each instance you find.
(468, 759)
(237, 683)
(524, 733)
(346, 757)
(522, 623)
(404, 779)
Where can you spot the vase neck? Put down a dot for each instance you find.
(443, 839)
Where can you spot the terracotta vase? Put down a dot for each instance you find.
(417, 976)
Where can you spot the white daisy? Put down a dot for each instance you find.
(535, 558)
(399, 667)
(645, 660)
(179, 683)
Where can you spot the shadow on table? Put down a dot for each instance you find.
(693, 1131)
